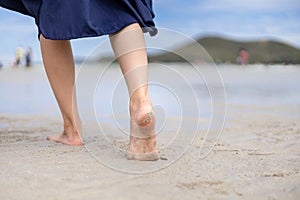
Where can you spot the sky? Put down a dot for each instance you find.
(236, 19)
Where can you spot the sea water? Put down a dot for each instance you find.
(176, 89)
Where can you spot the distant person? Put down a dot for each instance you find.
(19, 55)
(1, 64)
(243, 57)
(28, 57)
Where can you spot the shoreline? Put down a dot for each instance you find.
(256, 156)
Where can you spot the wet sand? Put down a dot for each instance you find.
(256, 157)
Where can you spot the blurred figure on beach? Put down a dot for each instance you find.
(28, 57)
(19, 55)
(243, 57)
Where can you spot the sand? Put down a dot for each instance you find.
(256, 157)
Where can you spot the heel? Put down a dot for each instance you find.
(143, 136)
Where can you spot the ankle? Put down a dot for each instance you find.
(136, 103)
(139, 101)
(139, 96)
(72, 127)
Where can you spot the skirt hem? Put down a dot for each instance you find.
(151, 30)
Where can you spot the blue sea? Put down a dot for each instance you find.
(176, 90)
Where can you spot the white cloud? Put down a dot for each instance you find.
(284, 28)
(249, 5)
(237, 18)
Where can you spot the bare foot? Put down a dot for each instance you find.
(71, 138)
(142, 133)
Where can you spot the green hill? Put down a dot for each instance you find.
(226, 51)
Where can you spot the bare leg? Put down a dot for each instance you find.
(129, 48)
(59, 66)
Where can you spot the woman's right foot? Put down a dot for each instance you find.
(142, 144)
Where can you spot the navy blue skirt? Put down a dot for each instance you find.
(70, 19)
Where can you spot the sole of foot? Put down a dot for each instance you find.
(142, 138)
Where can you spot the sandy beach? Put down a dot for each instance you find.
(256, 157)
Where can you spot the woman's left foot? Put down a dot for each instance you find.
(63, 138)
(70, 136)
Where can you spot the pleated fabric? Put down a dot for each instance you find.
(71, 19)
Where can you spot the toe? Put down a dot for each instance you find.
(49, 137)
